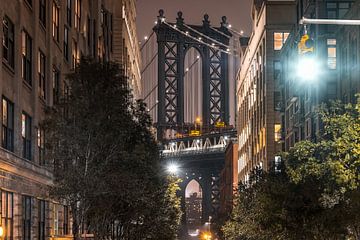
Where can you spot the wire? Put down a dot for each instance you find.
(205, 36)
(194, 38)
(153, 58)
(152, 33)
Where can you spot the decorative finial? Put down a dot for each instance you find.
(206, 21)
(180, 19)
(161, 13)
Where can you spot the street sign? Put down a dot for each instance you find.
(306, 44)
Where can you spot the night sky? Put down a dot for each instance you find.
(237, 12)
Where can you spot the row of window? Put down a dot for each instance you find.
(26, 52)
(26, 127)
(7, 217)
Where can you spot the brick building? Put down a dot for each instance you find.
(259, 109)
(41, 41)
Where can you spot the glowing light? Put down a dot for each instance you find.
(198, 120)
(197, 56)
(241, 32)
(307, 68)
(200, 38)
(187, 69)
(174, 25)
(1, 231)
(229, 26)
(187, 32)
(213, 44)
(146, 37)
(173, 168)
(156, 22)
(228, 50)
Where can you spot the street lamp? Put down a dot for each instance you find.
(1, 231)
(173, 168)
(307, 68)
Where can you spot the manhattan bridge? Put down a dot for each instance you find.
(188, 83)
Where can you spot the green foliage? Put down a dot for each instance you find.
(316, 193)
(106, 162)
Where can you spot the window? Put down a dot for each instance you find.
(68, 12)
(8, 41)
(26, 49)
(337, 9)
(331, 52)
(42, 219)
(55, 20)
(29, 2)
(56, 85)
(41, 145)
(26, 135)
(280, 39)
(41, 71)
(66, 220)
(56, 221)
(42, 12)
(277, 164)
(26, 207)
(77, 14)
(74, 53)
(66, 43)
(8, 124)
(277, 132)
(7, 214)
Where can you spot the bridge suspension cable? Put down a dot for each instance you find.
(146, 41)
(199, 40)
(151, 61)
(207, 37)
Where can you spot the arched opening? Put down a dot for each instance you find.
(193, 207)
(193, 87)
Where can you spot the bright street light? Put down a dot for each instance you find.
(173, 168)
(307, 68)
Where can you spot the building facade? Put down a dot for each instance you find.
(259, 109)
(229, 179)
(42, 40)
(334, 76)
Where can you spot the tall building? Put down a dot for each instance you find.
(333, 76)
(194, 210)
(42, 42)
(259, 110)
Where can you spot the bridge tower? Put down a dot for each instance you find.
(211, 43)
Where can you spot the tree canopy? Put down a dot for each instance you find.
(106, 161)
(316, 193)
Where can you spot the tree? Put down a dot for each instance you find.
(106, 161)
(315, 195)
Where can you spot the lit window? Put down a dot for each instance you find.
(331, 52)
(41, 145)
(77, 14)
(7, 124)
(55, 20)
(8, 41)
(277, 132)
(280, 39)
(26, 135)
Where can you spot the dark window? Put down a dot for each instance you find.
(7, 215)
(8, 124)
(337, 10)
(8, 41)
(26, 57)
(26, 207)
(55, 20)
(77, 14)
(41, 71)
(66, 220)
(88, 32)
(29, 2)
(41, 145)
(68, 12)
(66, 43)
(26, 135)
(42, 12)
(42, 219)
(56, 85)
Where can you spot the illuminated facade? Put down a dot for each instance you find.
(42, 40)
(259, 110)
(193, 210)
(335, 75)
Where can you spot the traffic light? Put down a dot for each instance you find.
(306, 44)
